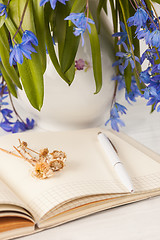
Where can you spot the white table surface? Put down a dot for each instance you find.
(135, 221)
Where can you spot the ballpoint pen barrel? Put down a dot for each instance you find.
(123, 176)
(108, 149)
(112, 156)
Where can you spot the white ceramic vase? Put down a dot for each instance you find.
(76, 106)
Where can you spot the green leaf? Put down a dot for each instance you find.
(2, 20)
(61, 25)
(8, 80)
(78, 6)
(12, 29)
(105, 8)
(50, 47)
(28, 20)
(70, 49)
(71, 73)
(13, 13)
(127, 77)
(67, 42)
(32, 80)
(31, 70)
(96, 56)
(5, 53)
(125, 13)
(99, 8)
(40, 31)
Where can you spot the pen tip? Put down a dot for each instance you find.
(132, 191)
(99, 133)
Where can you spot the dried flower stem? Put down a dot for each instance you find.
(9, 152)
(28, 160)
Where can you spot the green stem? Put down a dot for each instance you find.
(13, 107)
(155, 13)
(23, 14)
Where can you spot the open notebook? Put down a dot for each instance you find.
(86, 185)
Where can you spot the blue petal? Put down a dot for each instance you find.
(42, 2)
(6, 126)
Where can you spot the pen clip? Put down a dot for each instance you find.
(113, 146)
(110, 143)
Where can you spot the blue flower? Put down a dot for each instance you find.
(158, 108)
(29, 123)
(134, 92)
(3, 10)
(81, 23)
(154, 38)
(149, 54)
(120, 108)
(139, 19)
(19, 50)
(154, 100)
(29, 37)
(6, 113)
(122, 34)
(149, 92)
(119, 64)
(5, 125)
(155, 69)
(143, 33)
(115, 119)
(127, 57)
(144, 76)
(52, 2)
(121, 81)
(2, 102)
(155, 82)
(20, 126)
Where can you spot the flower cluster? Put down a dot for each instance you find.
(7, 115)
(24, 48)
(81, 23)
(148, 29)
(61, 18)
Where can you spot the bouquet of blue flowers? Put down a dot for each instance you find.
(30, 29)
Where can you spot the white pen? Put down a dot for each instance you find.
(115, 161)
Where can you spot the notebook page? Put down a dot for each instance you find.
(8, 197)
(87, 170)
(142, 168)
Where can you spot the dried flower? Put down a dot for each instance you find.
(58, 155)
(44, 152)
(56, 165)
(41, 170)
(44, 163)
